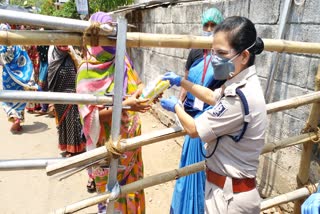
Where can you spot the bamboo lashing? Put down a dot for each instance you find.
(144, 40)
(165, 134)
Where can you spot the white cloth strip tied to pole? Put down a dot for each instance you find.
(145, 139)
(54, 97)
(51, 22)
(144, 40)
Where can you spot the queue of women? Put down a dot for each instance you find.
(223, 112)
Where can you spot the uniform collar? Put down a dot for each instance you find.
(239, 80)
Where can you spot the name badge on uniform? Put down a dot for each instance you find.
(219, 109)
(198, 104)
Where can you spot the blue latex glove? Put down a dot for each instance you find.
(169, 104)
(173, 78)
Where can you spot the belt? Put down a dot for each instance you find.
(238, 184)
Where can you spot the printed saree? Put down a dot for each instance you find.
(95, 76)
(16, 75)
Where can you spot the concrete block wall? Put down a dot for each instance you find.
(295, 74)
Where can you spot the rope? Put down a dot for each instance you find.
(115, 150)
(317, 139)
(309, 129)
(311, 188)
(93, 30)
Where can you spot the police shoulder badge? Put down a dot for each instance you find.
(219, 109)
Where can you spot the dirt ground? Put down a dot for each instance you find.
(32, 191)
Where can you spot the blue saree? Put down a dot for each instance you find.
(188, 195)
(16, 75)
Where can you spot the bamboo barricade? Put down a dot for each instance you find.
(144, 40)
(194, 168)
(306, 153)
(136, 142)
(51, 22)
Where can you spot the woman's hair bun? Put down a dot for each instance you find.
(258, 47)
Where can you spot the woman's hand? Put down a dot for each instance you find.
(136, 104)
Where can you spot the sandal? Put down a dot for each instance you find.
(91, 185)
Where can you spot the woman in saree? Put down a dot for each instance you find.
(16, 75)
(188, 194)
(96, 76)
(62, 73)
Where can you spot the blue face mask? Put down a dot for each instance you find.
(207, 33)
(223, 68)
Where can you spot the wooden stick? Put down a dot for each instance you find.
(306, 153)
(143, 40)
(136, 142)
(137, 185)
(287, 197)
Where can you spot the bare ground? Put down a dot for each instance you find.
(32, 191)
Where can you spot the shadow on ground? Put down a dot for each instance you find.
(36, 127)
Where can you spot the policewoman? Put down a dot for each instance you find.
(234, 128)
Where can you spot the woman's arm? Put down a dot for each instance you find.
(135, 104)
(186, 121)
(202, 93)
(183, 92)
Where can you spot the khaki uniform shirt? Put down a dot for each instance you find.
(241, 159)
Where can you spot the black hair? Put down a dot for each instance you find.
(241, 34)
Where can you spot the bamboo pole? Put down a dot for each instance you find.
(287, 197)
(132, 143)
(311, 126)
(25, 164)
(51, 22)
(135, 186)
(174, 174)
(294, 102)
(135, 39)
(54, 97)
(125, 145)
(136, 142)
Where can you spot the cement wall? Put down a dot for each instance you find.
(295, 74)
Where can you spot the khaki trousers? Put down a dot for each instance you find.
(220, 201)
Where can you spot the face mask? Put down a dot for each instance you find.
(223, 68)
(207, 33)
